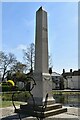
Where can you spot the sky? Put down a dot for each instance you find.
(18, 30)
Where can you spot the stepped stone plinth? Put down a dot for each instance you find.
(41, 111)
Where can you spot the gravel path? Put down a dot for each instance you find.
(72, 113)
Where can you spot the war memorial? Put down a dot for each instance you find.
(43, 105)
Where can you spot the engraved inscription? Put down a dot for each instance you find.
(45, 29)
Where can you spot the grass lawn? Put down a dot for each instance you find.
(5, 104)
(65, 92)
(8, 103)
(19, 98)
(6, 97)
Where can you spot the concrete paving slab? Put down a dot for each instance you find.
(72, 114)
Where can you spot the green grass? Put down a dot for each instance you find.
(65, 92)
(8, 103)
(5, 104)
(18, 96)
(6, 97)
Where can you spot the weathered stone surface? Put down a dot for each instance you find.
(41, 42)
(41, 74)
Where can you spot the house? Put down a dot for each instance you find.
(55, 80)
(72, 79)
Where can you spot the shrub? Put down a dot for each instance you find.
(18, 96)
(6, 87)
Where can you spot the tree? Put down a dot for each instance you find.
(29, 54)
(6, 62)
(50, 61)
(19, 67)
(18, 76)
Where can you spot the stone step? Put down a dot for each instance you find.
(41, 108)
(41, 114)
(53, 107)
(54, 112)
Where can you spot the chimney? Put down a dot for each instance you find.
(71, 70)
(63, 71)
(79, 70)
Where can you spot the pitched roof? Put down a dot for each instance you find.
(74, 73)
(55, 74)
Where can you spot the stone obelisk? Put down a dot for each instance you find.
(41, 104)
(41, 74)
(41, 42)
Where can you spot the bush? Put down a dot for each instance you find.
(18, 96)
(7, 96)
(6, 87)
(21, 96)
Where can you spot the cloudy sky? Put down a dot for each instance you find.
(18, 30)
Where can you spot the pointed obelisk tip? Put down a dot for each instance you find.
(40, 8)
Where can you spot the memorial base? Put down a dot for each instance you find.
(42, 92)
(41, 111)
(41, 104)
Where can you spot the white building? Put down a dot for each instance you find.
(72, 80)
(55, 80)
